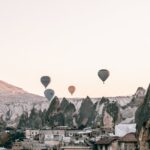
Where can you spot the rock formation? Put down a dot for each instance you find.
(142, 119)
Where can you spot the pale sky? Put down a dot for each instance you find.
(70, 40)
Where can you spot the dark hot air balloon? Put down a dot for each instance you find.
(49, 94)
(71, 89)
(45, 80)
(103, 74)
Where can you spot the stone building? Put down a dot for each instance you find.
(30, 134)
(107, 143)
(17, 146)
(127, 142)
(76, 148)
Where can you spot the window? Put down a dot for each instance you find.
(125, 146)
(149, 144)
(101, 147)
(106, 147)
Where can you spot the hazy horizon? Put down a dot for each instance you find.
(71, 40)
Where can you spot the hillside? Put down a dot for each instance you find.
(101, 111)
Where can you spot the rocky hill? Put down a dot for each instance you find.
(30, 110)
(142, 118)
(14, 101)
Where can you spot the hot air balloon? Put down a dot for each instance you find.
(71, 89)
(49, 94)
(45, 80)
(103, 74)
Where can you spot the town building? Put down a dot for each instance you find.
(30, 134)
(107, 143)
(17, 146)
(29, 145)
(76, 148)
(128, 142)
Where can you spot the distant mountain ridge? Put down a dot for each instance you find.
(15, 102)
(11, 93)
(10, 89)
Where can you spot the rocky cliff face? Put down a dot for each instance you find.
(15, 101)
(29, 110)
(142, 119)
(86, 113)
(103, 112)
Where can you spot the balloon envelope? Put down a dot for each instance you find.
(45, 80)
(71, 89)
(103, 74)
(49, 94)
